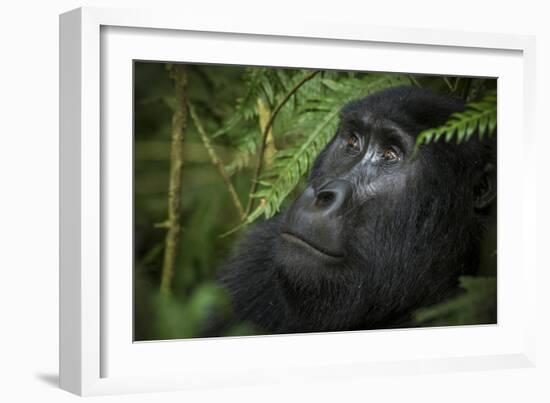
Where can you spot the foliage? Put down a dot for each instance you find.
(171, 317)
(228, 101)
(477, 305)
(479, 117)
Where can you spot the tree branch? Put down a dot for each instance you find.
(216, 161)
(172, 224)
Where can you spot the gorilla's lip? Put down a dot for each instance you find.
(298, 240)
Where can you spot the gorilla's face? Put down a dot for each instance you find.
(362, 173)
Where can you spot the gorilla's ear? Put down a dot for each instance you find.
(485, 189)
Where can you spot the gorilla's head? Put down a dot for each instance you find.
(379, 230)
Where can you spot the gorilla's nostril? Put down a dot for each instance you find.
(332, 196)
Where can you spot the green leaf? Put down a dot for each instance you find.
(480, 116)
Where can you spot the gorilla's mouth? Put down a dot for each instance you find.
(307, 245)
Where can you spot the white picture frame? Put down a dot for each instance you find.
(97, 353)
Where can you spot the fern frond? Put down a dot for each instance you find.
(270, 85)
(480, 117)
(257, 82)
(289, 165)
(261, 82)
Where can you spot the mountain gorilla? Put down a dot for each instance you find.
(378, 232)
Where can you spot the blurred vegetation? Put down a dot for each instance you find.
(474, 307)
(248, 141)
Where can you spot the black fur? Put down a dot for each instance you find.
(406, 234)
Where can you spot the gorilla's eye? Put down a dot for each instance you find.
(354, 144)
(390, 154)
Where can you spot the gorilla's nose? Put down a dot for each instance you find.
(331, 197)
(316, 217)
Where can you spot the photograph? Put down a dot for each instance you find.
(284, 200)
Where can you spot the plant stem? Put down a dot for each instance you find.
(266, 130)
(216, 161)
(448, 84)
(467, 89)
(264, 114)
(173, 226)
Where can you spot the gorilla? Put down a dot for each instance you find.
(381, 229)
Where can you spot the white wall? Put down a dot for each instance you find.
(29, 187)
